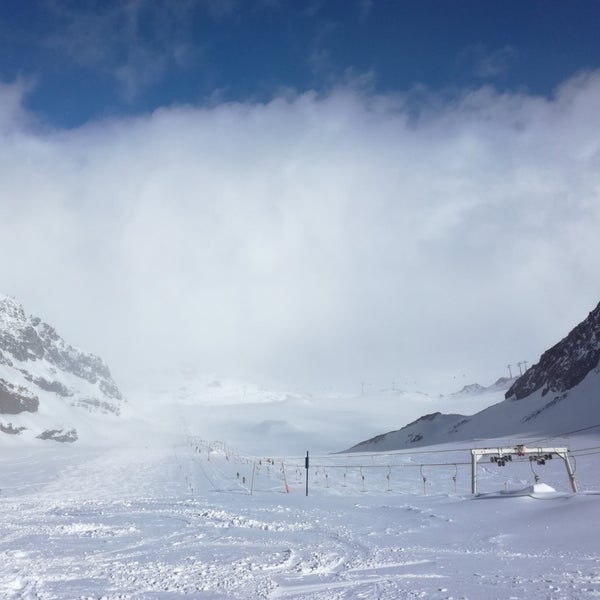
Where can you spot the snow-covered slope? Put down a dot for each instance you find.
(48, 388)
(197, 521)
(558, 394)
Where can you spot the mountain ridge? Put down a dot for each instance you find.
(44, 381)
(564, 365)
(555, 395)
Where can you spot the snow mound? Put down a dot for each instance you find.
(536, 490)
(539, 488)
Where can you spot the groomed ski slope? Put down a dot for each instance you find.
(179, 520)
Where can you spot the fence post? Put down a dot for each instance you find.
(306, 465)
(252, 483)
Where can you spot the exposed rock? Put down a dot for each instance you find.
(564, 365)
(11, 430)
(109, 388)
(95, 405)
(59, 435)
(15, 399)
(41, 357)
(30, 339)
(536, 413)
(53, 386)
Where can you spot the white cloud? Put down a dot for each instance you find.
(312, 239)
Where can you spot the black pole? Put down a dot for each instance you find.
(306, 467)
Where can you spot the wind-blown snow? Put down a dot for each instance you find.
(179, 520)
(283, 421)
(166, 514)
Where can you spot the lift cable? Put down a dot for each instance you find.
(585, 454)
(558, 435)
(382, 466)
(585, 449)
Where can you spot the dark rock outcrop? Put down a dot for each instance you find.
(40, 357)
(15, 399)
(53, 386)
(59, 435)
(566, 364)
(30, 339)
(10, 429)
(95, 405)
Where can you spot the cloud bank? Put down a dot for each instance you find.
(313, 240)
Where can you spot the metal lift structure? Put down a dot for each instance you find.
(502, 455)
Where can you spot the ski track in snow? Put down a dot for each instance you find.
(167, 523)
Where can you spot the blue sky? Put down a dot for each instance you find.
(85, 60)
(312, 194)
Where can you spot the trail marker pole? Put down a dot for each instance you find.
(287, 488)
(252, 483)
(306, 465)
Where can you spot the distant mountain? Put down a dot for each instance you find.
(473, 389)
(558, 394)
(46, 385)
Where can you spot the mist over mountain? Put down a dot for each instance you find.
(557, 395)
(47, 386)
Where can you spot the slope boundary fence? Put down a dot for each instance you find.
(439, 472)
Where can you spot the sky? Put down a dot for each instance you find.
(313, 194)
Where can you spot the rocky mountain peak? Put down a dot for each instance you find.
(24, 339)
(38, 368)
(11, 312)
(566, 364)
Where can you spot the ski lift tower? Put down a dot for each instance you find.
(502, 455)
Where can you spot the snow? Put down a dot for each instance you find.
(534, 416)
(197, 519)
(143, 506)
(55, 412)
(540, 488)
